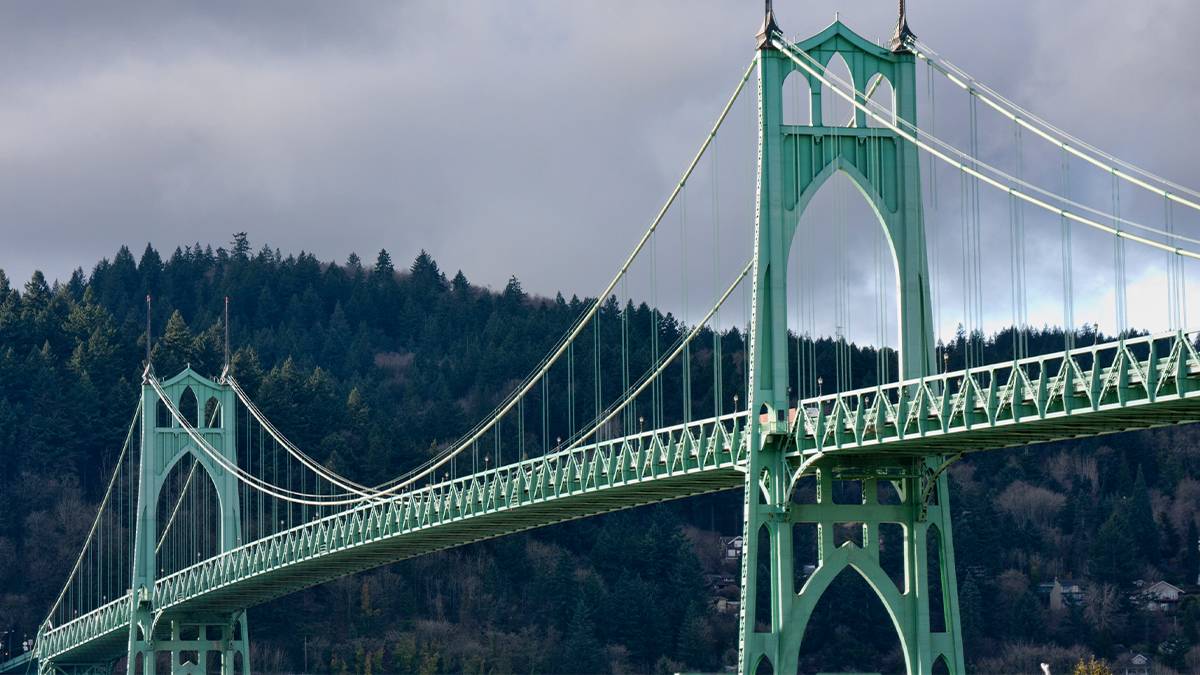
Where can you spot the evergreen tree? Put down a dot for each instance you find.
(970, 608)
(581, 651)
(240, 246)
(1109, 559)
(150, 269)
(1141, 520)
(513, 293)
(425, 275)
(384, 270)
(695, 647)
(174, 350)
(1191, 553)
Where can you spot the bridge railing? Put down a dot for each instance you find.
(1094, 378)
(55, 640)
(678, 450)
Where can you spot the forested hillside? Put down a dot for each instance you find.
(371, 369)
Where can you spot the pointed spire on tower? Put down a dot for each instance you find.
(903, 34)
(769, 27)
(149, 345)
(225, 369)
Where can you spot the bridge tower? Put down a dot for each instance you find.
(190, 640)
(794, 162)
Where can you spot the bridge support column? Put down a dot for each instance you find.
(192, 644)
(190, 640)
(793, 162)
(918, 590)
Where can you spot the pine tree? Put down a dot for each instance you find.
(174, 349)
(1109, 558)
(37, 292)
(240, 246)
(695, 645)
(513, 293)
(425, 275)
(1141, 520)
(580, 651)
(1191, 552)
(150, 269)
(459, 284)
(970, 607)
(384, 270)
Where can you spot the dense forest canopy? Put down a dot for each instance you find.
(371, 368)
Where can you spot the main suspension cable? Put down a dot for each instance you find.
(1107, 162)
(539, 374)
(1125, 234)
(99, 514)
(665, 361)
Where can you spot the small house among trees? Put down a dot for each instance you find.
(732, 547)
(1132, 663)
(1062, 594)
(1161, 596)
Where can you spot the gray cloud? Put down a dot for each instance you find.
(534, 138)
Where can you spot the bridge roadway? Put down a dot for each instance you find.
(1138, 383)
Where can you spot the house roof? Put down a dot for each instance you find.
(1162, 586)
(1133, 659)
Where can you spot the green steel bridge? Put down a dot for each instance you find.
(211, 510)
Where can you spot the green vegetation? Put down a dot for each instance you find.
(371, 369)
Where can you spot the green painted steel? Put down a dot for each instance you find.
(605, 476)
(892, 443)
(162, 448)
(1088, 391)
(1140, 383)
(794, 162)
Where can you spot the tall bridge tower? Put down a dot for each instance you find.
(794, 162)
(210, 408)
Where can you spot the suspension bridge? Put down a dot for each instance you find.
(211, 510)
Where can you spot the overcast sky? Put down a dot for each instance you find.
(527, 138)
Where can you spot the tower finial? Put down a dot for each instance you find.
(149, 363)
(769, 27)
(902, 35)
(226, 326)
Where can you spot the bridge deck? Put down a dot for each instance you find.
(1085, 392)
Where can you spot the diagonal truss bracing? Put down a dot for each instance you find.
(1131, 384)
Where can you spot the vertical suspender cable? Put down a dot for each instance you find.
(796, 253)
(655, 388)
(977, 237)
(883, 370)
(747, 318)
(1014, 280)
(571, 389)
(810, 295)
(967, 295)
(599, 390)
(1176, 280)
(1068, 266)
(1119, 260)
(686, 359)
(627, 307)
(716, 326)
